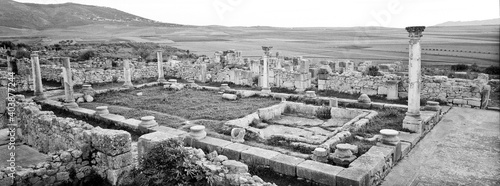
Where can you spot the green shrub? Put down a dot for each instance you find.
(170, 163)
(324, 112)
(373, 71)
(87, 55)
(23, 54)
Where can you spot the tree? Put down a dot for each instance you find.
(142, 52)
(22, 54)
(459, 67)
(494, 70)
(373, 71)
(474, 68)
(87, 55)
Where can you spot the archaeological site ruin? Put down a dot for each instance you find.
(242, 120)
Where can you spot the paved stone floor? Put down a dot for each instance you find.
(462, 149)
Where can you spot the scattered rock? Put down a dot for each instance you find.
(229, 96)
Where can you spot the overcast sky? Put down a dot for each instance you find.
(304, 13)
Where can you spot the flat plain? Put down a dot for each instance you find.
(440, 45)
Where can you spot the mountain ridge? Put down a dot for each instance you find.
(42, 16)
(495, 21)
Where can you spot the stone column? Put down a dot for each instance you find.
(127, 74)
(9, 64)
(265, 75)
(68, 84)
(161, 74)
(392, 90)
(37, 75)
(265, 70)
(412, 121)
(3, 99)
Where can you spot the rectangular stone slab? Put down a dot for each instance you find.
(405, 149)
(285, 164)
(130, 123)
(258, 156)
(169, 130)
(319, 172)
(209, 144)
(233, 151)
(411, 138)
(353, 177)
(113, 118)
(81, 111)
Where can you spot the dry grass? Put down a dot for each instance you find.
(189, 104)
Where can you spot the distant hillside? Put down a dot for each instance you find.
(471, 23)
(38, 16)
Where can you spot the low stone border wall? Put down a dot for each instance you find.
(368, 169)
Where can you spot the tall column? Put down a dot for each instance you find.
(265, 70)
(161, 74)
(9, 64)
(412, 120)
(68, 84)
(37, 75)
(127, 74)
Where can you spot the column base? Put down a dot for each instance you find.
(162, 80)
(39, 97)
(128, 85)
(413, 123)
(266, 90)
(70, 105)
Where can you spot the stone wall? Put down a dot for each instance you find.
(441, 88)
(81, 147)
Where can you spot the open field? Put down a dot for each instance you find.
(441, 45)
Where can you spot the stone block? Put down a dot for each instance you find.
(459, 101)
(233, 151)
(411, 138)
(318, 172)
(258, 156)
(81, 111)
(169, 130)
(397, 151)
(147, 141)
(229, 96)
(113, 162)
(353, 177)
(112, 118)
(285, 164)
(373, 164)
(209, 144)
(377, 105)
(405, 149)
(396, 106)
(111, 142)
(474, 102)
(130, 123)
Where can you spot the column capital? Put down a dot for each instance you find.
(415, 31)
(266, 49)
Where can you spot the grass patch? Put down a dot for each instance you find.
(386, 119)
(188, 103)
